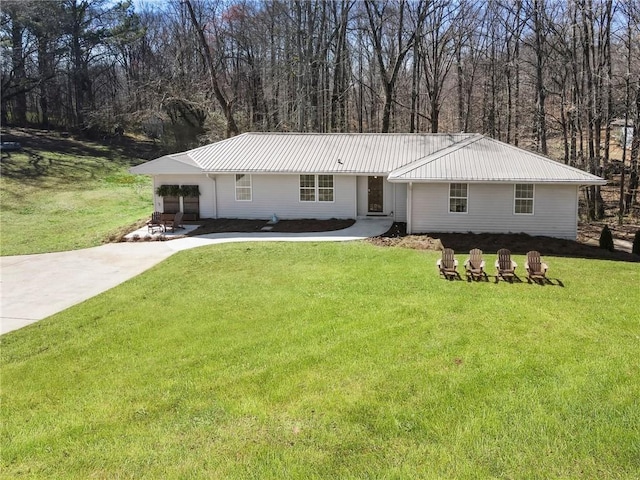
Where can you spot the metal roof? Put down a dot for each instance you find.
(318, 153)
(169, 164)
(417, 157)
(483, 159)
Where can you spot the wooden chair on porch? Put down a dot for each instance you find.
(155, 222)
(174, 223)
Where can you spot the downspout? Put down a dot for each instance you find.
(577, 217)
(394, 202)
(409, 207)
(215, 195)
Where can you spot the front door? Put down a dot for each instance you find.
(375, 195)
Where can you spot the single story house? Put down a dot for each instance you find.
(434, 182)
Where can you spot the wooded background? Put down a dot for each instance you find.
(558, 77)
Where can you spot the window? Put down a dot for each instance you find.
(523, 204)
(316, 188)
(325, 188)
(458, 197)
(243, 187)
(307, 188)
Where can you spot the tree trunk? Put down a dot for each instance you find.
(388, 74)
(541, 116)
(415, 89)
(19, 73)
(232, 128)
(632, 190)
(587, 46)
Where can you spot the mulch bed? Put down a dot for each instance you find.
(490, 243)
(224, 225)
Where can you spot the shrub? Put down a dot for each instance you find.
(168, 191)
(636, 244)
(606, 239)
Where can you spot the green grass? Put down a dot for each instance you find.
(329, 361)
(74, 198)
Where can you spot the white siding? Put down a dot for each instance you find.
(388, 193)
(400, 211)
(490, 210)
(280, 194)
(207, 191)
(363, 197)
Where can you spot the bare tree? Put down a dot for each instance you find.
(538, 16)
(225, 104)
(389, 36)
(438, 49)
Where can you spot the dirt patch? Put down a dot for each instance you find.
(225, 225)
(519, 244)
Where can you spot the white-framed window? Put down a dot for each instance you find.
(458, 197)
(243, 187)
(523, 199)
(325, 188)
(307, 188)
(316, 188)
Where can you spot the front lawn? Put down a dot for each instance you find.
(330, 361)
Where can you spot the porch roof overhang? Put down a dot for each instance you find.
(169, 164)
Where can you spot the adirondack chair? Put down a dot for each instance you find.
(176, 222)
(474, 266)
(536, 268)
(448, 265)
(506, 268)
(155, 222)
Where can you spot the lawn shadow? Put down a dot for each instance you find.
(29, 165)
(545, 281)
(121, 149)
(512, 278)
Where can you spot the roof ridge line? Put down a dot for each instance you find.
(436, 156)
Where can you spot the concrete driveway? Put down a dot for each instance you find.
(33, 287)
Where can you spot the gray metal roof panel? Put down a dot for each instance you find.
(482, 159)
(302, 152)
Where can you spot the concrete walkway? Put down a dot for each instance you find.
(33, 287)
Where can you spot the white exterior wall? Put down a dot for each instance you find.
(400, 212)
(490, 210)
(280, 194)
(206, 185)
(363, 203)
